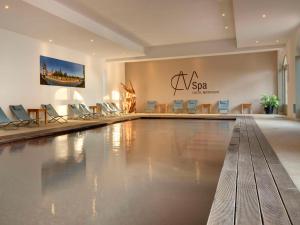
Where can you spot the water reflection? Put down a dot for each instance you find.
(17, 147)
(129, 133)
(197, 167)
(138, 172)
(2, 148)
(41, 141)
(94, 207)
(120, 136)
(69, 163)
(53, 209)
(116, 137)
(150, 171)
(96, 183)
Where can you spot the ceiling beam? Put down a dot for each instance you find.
(63, 12)
(206, 48)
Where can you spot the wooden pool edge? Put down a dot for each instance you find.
(58, 130)
(253, 187)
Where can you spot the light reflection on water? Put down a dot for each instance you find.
(116, 135)
(137, 172)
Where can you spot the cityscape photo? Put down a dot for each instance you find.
(61, 73)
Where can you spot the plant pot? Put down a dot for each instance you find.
(269, 110)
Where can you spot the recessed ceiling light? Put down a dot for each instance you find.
(256, 42)
(6, 7)
(92, 40)
(223, 14)
(226, 27)
(264, 16)
(50, 40)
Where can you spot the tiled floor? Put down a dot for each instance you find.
(284, 136)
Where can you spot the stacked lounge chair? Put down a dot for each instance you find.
(177, 106)
(85, 110)
(115, 108)
(78, 113)
(110, 108)
(192, 106)
(22, 116)
(106, 110)
(102, 109)
(150, 106)
(54, 116)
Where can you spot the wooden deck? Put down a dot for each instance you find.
(253, 187)
(29, 132)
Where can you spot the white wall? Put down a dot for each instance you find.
(297, 65)
(116, 75)
(19, 74)
(293, 50)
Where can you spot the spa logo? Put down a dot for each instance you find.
(183, 81)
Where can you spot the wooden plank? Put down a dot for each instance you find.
(247, 204)
(273, 210)
(223, 207)
(272, 207)
(289, 193)
(254, 182)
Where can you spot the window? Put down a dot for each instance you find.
(285, 81)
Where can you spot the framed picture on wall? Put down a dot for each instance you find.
(61, 73)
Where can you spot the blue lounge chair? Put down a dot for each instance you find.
(22, 116)
(177, 106)
(54, 116)
(5, 121)
(78, 113)
(192, 106)
(102, 108)
(110, 108)
(85, 110)
(115, 108)
(105, 110)
(223, 106)
(150, 106)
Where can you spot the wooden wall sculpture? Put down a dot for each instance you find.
(128, 98)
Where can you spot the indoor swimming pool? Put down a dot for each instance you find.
(140, 172)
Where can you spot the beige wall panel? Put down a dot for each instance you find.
(239, 78)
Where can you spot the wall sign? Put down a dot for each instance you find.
(61, 73)
(186, 82)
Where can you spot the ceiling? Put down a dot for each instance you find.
(31, 21)
(281, 18)
(152, 29)
(158, 22)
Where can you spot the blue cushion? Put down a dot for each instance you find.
(3, 117)
(151, 106)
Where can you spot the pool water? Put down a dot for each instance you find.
(141, 172)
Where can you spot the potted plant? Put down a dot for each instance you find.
(269, 102)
